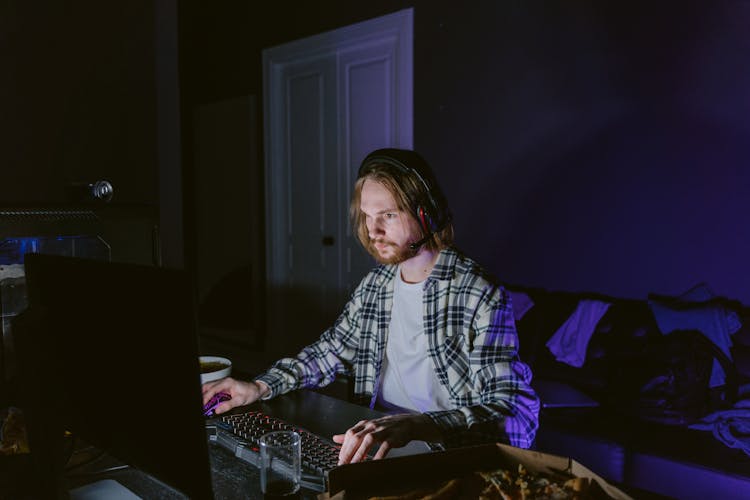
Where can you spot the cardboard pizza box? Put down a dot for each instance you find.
(401, 475)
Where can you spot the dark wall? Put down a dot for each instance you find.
(77, 90)
(601, 146)
(82, 99)
(598, 146)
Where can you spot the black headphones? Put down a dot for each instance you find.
(431, 209)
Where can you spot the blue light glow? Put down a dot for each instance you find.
(12, 250)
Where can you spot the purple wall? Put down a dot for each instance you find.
(592, 146)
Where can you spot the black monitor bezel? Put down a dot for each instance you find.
(111, 355)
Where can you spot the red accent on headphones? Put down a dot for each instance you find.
(422, 218)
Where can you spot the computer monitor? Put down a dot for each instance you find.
(109, 353)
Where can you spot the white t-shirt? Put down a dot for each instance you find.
(409, 380)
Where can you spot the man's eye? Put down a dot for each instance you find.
(390, 216)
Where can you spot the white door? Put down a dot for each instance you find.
(329, 100)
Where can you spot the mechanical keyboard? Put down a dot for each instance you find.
(240, 433)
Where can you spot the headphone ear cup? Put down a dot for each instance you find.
(431, 214)
(425, 220)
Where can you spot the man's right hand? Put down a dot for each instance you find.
(242, 393)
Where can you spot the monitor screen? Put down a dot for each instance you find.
(111, 356)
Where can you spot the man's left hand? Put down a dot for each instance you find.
(392, 431)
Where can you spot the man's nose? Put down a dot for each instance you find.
(374, 229)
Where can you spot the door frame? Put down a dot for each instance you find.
(338, 45)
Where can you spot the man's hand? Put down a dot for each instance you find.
(393, 431)
(243, 393)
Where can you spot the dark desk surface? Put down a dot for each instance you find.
(232, 477)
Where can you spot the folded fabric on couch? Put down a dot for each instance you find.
(570, 342)
(732, 426)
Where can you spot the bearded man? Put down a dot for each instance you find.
(427, 337)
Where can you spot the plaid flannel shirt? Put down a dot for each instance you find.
(473, 345)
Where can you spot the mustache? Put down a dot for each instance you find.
(381, 241)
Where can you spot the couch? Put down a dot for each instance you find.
(589, 414)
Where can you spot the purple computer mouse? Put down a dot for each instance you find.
(208, 408)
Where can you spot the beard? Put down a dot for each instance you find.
(399, 254)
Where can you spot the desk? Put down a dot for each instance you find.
(234, 478)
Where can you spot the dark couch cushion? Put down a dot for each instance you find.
(556, 394)
(586, 435)
(538, 323)
(623, 332)
(668, 459)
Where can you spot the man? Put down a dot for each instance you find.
(426, 336)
